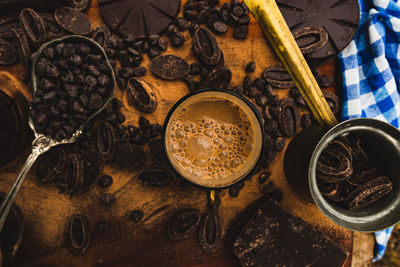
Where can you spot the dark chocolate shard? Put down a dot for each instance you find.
(273, 237)
(138, 18)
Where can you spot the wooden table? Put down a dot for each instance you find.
(45, 210)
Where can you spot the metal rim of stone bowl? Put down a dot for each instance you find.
(38, 54)
(385, 212)
(248, 103)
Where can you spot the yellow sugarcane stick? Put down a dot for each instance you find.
(271, 21)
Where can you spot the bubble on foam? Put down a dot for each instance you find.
(235, 163)
(200, 146)
(217, 130)
(174, 147)
(223, 155)
(179, 133)
(222, 146)
(198, 173)
(228, 140)
(216, 141)
(182, 143)
(178, 157)
(200, 162)
(186, 128)
(234, 132)
(208, 133)
(186, 162)
(207, 125)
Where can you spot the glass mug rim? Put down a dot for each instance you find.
(239, 97)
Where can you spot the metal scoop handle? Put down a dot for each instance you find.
(271, 21)
(40, 145)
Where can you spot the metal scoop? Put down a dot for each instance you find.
(43, 143)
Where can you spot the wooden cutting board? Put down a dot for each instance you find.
(45, 210)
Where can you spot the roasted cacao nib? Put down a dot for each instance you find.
(289, 117)
(136, 215)
(107, 140)
(217, 78)
(278, 77)
(105, 181)
(206, 47)
(169, 67)
(141, 95)
(34, 26)
(78, 234)
(101, 34)
(155, 176)
(183, 224)
(72, 20)
(210, 233)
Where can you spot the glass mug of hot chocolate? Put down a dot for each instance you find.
(213, 138)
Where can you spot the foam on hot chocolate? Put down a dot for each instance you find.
(211, 138)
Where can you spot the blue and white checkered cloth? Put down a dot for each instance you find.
(371, 74)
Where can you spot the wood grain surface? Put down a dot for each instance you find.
(46, 211)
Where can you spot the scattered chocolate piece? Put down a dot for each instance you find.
(206, 47)
(278, 77)
(264, 177)
(233, 191)
(210, 233)
(250, 67)
(107, 140)
(107, 199)
(169, 67)
(183, 224)
(289, 117)
(217, 78)
(155, 176)
(78, 234)
(72, 20)
(141, 95)
(136, 215)
(105, 181)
